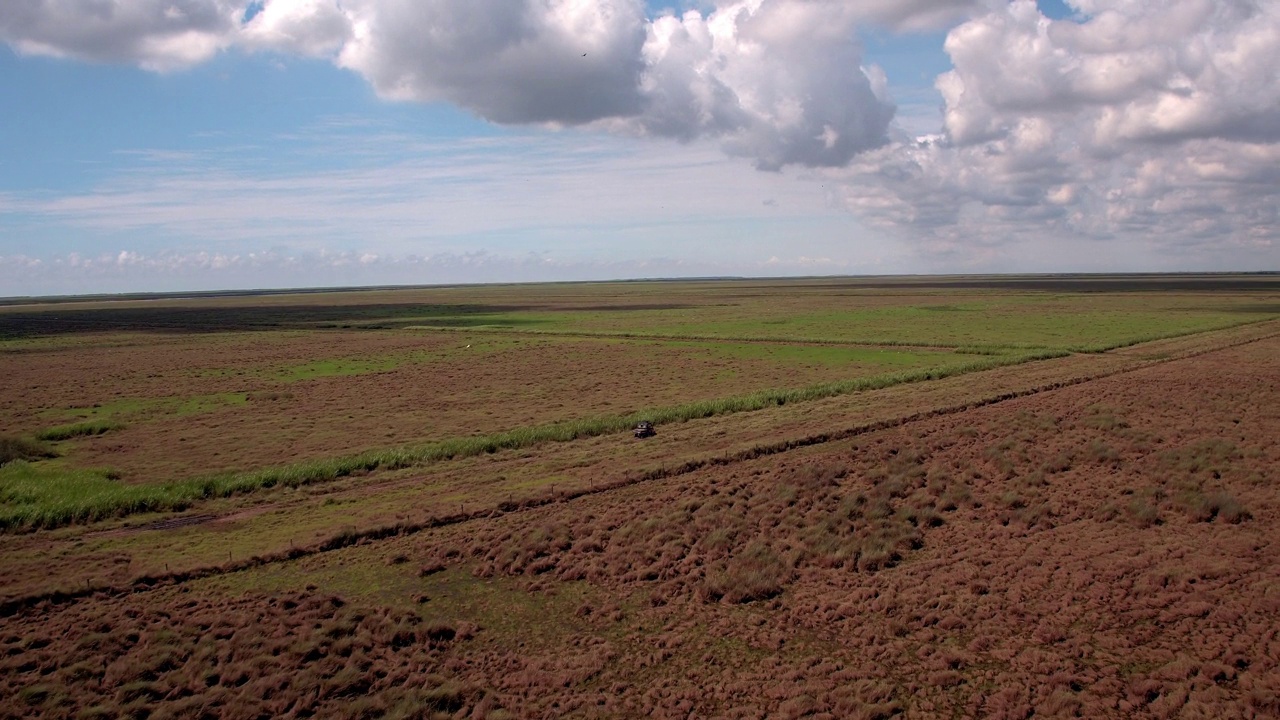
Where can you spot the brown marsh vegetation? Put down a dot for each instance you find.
(1086, 537)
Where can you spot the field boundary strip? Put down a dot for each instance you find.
(974, 348)
(13, 606)
(747, 339)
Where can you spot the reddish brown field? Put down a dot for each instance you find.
(198, 385)
(1106, 549)
(268, 523)
(210, 403)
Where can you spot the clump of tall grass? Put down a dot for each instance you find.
(33, 497)
(36, 495)
(19, 448)
(756, 573)
(1219, 505)
(80, 429)
(318, 655)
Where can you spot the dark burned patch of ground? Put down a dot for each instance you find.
(204, 294)
(630, 308)
(65, 318)
(62, 320)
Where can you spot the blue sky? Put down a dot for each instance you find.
(808, 138)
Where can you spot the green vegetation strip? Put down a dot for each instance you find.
(1128, 335)
(108, 415)
(1152, 337)
(80, 429)
(43, 495)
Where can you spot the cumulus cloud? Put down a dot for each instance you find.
(777, 81)
(155, 34)
(511, 61)
(1133, 71)
(781, 82)
(1130, 117)
(1134, 117)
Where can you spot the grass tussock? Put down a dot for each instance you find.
(33, 497)
(36, 495)
(1207, 507)
(296, 654)
(756, 573)
(736, 539)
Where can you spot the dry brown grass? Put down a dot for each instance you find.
(1102, 550)
(1033, 558)
(175, 655)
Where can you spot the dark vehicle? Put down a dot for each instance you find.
(645, 429)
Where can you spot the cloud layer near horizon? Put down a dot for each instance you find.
(1133, 118)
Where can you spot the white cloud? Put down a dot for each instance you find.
(306, 27)
(1135, 119)
(157, 35)
(511, 61)
(779, 82)
(1130, 71)
(1143, 120)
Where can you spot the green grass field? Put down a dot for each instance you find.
(1005, 321)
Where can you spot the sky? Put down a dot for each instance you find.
(169, 145)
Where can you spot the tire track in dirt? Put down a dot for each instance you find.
(16, 605)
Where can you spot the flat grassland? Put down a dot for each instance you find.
(948, 497)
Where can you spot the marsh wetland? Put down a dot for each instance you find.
(934, 497)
